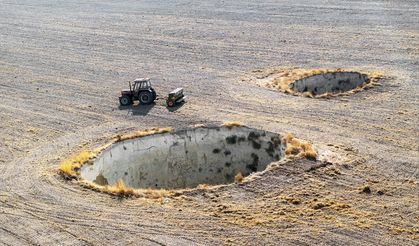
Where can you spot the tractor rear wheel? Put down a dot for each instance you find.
(125, 100)
(146, 97)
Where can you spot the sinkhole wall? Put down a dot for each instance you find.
(332, 82)
(186, 158)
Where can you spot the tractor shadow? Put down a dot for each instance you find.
(138, 109)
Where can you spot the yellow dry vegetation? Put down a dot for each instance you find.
(137, 134)
(308, 94)
(119, 189)
(69, 166)
(155, 194)
(202, 187)
(238, 178)
(297, 148)
(232, 123)
(197, 125)
(294, 209)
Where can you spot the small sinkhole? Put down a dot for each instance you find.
(186, 158)
(330, 82)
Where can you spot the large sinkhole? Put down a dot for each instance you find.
(186, 158)
(330, 82)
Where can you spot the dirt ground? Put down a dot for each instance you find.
(63, 63)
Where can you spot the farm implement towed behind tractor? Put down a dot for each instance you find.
(142, 91)
(175, 96)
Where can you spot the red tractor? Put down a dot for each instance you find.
(141, 90)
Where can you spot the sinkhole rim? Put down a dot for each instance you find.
(284, 79)
(186, 158)
(294, 149)
(338, 86)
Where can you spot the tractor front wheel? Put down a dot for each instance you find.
(125, 100)
(146, 97)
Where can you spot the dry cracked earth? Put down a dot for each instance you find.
(63, 63)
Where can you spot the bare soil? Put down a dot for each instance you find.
(63, 63)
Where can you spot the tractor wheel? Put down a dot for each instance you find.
(125, 100)
(146, 97)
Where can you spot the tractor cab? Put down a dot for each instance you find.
(140, 90)
(141, 84)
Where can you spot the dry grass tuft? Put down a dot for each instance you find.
(66, 168)
(308, 94)
(137, 134)
(69, 166)
(326, 95)
(197, 125)
(120, 189)
(289, 137)
(238, 178)
(296, 148)
(155, 194)
(308, 151)
(203, 186)
(232, 123)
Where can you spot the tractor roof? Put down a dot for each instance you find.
(141, 80)
(176, 91)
